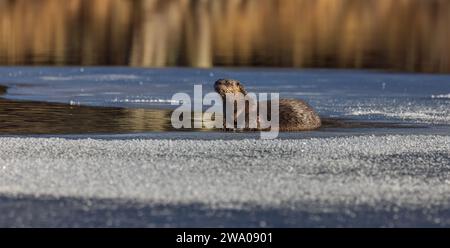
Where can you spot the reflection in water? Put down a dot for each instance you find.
(410, 35)
(26, 117)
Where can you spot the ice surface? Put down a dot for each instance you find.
(367, 95)
(391, 180)
(442, 96)
(414, 112)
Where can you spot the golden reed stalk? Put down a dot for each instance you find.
(411, 35)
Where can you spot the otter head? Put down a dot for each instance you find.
(224, 86)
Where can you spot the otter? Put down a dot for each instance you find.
(294, 114)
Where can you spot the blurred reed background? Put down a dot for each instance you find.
(409, 35)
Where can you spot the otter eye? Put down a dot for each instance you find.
(238, 84)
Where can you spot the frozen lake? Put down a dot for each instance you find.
(368, 95)
(92, 147)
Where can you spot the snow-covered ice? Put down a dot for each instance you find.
(390, 180)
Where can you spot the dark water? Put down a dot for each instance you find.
(408, 35)
(27, 117)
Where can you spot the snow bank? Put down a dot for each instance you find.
(410, 170)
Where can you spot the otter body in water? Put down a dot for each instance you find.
(294, 114)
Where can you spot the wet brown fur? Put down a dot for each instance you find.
(294, 114)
